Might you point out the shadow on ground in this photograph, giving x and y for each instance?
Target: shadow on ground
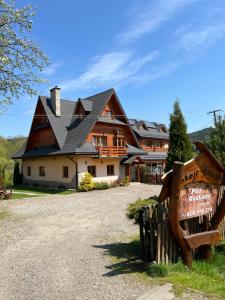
(126, 255)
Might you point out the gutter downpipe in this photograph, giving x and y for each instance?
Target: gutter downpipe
(76, 173)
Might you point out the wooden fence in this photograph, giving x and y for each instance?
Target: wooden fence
(156, 240)
(151, 178)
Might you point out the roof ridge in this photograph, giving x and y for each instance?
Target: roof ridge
(69, 100)
(106, 91)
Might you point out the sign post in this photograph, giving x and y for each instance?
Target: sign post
(193, 189)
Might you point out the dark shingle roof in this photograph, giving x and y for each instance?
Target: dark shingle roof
(132, 159)
(155, 156)
(134, 150)
(87, 104)
(152, 129)
(79, 130)
(59, 124)
(111, 121)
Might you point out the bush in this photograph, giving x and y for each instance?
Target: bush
(125, 181)
(133, 208)
(102, 185)
(86, 183)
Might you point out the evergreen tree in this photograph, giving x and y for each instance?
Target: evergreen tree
(216, 141)
(180, 148)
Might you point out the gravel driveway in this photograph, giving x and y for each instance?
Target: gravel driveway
(53, 247)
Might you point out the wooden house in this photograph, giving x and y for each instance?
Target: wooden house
(154, 139)
(69, 138)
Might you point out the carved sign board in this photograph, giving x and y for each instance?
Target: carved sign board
(199, 190)
(193, 189)
(197, 199)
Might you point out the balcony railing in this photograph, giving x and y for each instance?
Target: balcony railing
(111, 151)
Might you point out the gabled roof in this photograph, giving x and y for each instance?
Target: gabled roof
(59, 124)
(134, 159)
(150, 130)
(87, 104)
(79, 129)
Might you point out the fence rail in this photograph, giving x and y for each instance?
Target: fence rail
(156, 240)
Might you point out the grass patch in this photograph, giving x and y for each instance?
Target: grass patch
(4, 214)
(206, 277)
(20, 192)
(22, 196)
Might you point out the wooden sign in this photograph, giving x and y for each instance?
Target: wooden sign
(193, 189)
(198, 199)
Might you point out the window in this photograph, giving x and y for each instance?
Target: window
(65, 172)
(109, 114)
(149, 143)
(28, 171)
(42, 171)
(110, 170)
(92, 170)
(118, 142)
(100, 141)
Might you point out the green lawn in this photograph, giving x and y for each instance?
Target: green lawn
(207, 277)
(20, 192)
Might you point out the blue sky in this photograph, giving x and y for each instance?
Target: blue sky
(150, 51)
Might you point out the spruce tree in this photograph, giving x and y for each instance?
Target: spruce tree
(180, 148)
(216, 141)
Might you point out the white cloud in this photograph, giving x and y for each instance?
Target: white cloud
(152, 16)
(155, 73)
(192, 39)
(108, 70)
(52, 68)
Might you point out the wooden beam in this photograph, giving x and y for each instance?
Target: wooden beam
(165, 192)
(177, 230)
(219, 214)
(203, 238)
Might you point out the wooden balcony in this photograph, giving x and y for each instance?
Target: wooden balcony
(111, 151)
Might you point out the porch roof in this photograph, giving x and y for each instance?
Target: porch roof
(154, 156)
(134, 159)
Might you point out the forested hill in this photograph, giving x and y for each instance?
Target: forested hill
(10, 145)
(201, 135)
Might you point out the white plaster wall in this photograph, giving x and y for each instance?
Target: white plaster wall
(53, 169)
(101, 168)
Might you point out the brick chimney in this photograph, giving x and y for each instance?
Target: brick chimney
(55, 100)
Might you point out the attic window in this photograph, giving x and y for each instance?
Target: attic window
(109, 114)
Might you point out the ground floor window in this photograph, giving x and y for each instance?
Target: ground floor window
(42, 171)
(156, 168)
(65, 172)
(92, 170)
(110, 170)
(28, 171)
